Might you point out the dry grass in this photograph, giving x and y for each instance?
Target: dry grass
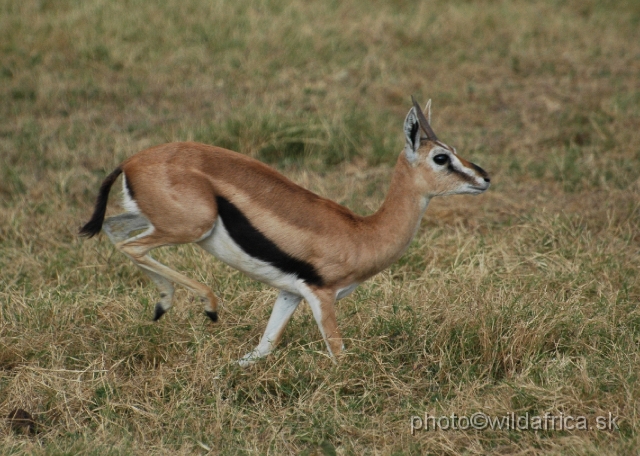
(521, 300)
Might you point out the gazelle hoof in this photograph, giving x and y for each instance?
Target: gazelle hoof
(159, 312)
(212, 314)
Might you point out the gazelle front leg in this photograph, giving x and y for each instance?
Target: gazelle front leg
(285, 305)
(322, 303)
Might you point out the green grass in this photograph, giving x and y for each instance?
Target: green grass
(521, 300)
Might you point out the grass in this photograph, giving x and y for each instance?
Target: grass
(521, 300)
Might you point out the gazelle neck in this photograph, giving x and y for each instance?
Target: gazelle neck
(391, 229)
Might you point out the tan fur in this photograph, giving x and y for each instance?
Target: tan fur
(175, 187)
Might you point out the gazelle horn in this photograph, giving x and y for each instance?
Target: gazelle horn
(422, 120)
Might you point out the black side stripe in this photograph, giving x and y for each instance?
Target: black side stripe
(480, 171)
(257, 245)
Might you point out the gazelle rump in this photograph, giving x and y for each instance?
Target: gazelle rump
(256, 220)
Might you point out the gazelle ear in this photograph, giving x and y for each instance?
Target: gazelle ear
(427, 108)
(412, 136)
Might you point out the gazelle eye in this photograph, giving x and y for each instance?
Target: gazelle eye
(441, 159)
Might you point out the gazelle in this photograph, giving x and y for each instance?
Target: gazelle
(256, 220)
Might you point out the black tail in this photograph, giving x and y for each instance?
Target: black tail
(94, 225)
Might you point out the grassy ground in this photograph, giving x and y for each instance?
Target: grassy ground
(521, 300)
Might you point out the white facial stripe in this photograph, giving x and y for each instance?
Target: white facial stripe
(469, 180)
(461, 168)
(455, 163)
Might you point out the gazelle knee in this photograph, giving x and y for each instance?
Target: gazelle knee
(120, 227)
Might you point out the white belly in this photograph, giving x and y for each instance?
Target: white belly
(220, 245)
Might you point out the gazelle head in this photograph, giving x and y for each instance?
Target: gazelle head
(439, 169)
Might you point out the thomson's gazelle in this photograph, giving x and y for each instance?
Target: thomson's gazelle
(252, 218)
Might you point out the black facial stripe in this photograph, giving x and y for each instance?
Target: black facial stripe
(479, 170)
(257, 245)
(464, 176)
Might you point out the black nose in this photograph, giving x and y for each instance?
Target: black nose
(482, 172)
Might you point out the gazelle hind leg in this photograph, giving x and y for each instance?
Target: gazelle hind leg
(285, 305)
(322, 303)
(166, 293)
(137, 249)
(157, 269)
(119, 229)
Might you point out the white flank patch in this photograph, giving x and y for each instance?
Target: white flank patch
(220, 244)
(127, 202)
